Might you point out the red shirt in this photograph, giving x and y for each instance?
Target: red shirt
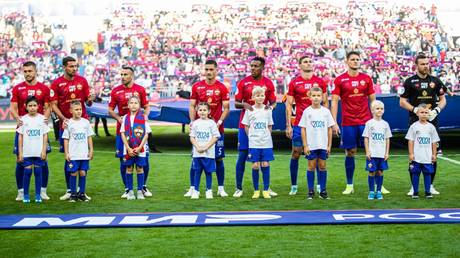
(354, 94)
(214, 95)
(65, 91)
(23, 90)
(120, 95)
(299, 89)
(244, 92)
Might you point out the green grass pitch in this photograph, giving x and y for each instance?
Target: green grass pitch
(168, 181)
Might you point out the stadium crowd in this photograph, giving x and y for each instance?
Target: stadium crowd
(168, 48)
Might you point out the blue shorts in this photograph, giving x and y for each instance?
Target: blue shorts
(258, 155)
(118, 146)
(220, 148)
(33, 161)
(243, 142)
(376, 164)
(416, 168)
(139, 161)
(61, 141)
(16, 142)
(317, 154)
(352, 137)
(76, 165)
(297, 136)
(206, 164)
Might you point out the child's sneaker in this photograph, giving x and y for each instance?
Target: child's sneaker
(428, 195)
(20, 196)
(310, 195)
(140, 195)
(195, 195)
(324, 195)
(349, 190)
(130, 195)
(146, 192)
(43, 194)
(433, 190)
(73, 197)
(379, 195)
(125, 194)
(272, 193)
(384, 190)
(256, 195)
(25, 198)
(38, 199)
(238, 193)
(411, 192)
(66, 196)
(371, 195)
(209, 194)
(83, 197)
(266, 194)
(415, 196)
(221, 191)
(293, 190)
(189, 192)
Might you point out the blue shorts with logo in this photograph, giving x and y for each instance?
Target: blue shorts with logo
(352, 137)
(243, 141)
(36, 161)
(376, 164)
(136, 160)
(77, 165)
(220, 149)
(16, 142)
(258, 155)
(317, 154)
(297, 136)
(118, 146)
(415, 168)
(206, 164)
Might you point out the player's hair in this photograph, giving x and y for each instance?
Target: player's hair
(420, 56)
(304, 57)
(260, 59)
(134, 97)
(377, 103)
(75, 103)
(29, 63)
(315, 89)
(31, 99)
(422, 105)
(258, 90)
(206, 104)
(68, 59)
(351, 53)
(211, 62)
(127, 67)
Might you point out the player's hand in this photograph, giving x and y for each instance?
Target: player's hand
(306, 150)
(65, 123)
(336, 130)
(131, 152)
(411, 157)
(368, 155)
(67, 157)
(46, 120)
(433, 158)
(289, 131)
(434, 113)
(328, 151)
(268, 107)
(247, 106)
(20, 158)
(386, 157)
(190, 125)
(43, 155)
(120, 120)
(90, 155)
(19, 121)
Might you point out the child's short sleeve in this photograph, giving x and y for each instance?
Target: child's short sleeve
(66, 134)
(270, 117)
(245, 120)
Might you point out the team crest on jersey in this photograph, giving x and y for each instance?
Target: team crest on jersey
(354, 84)
(362, 82)
(432, 85)
(355, 91)
(417, 85)
(315, 84)
(51, 93)
(39, 92)
(401, 90)
(79, 87)
(369, 165)
(138, 132)
(31, 93)
(217, 92)
(72, 96)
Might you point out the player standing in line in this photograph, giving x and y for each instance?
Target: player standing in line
(32, 142)
(203, 135)
(119, 99)
(423, 88)
(316, 132)
(298, 92)
(19, 95)
(78, 149)
(243, 101)
(68, 88)
(258, 124)
(423, 138)
(134, 132)
(216, 95)
(377, 134)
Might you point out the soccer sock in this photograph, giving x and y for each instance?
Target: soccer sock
(208, 180)
(192, 175)
(73, 183)
(146, 170)
(26, 180)
(317, 175)
(255, 179)
(38, 180)
(198, 179)
(427, 182)
(129, 181)
(415, 179)
(19, 176)
(82, 183)
(371, 182)
(266, 177)
(240, 165)
(123, 173)
(140, 181)
(379, 182)
(310, 180)
(349, 169)
(220, 172)
(435, 167)
(322, 179)
(45, 175)
(66, 176)
(294, 168)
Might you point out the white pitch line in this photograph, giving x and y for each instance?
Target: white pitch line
(450, 160)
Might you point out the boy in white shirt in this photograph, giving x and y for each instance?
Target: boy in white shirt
(32, 142)
(316, 125)
(203, 135)
(377, 134)
(78, 149)
(422, 138)
(258, 125)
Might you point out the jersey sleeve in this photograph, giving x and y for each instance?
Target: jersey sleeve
(441, 87)
(366, 131)
(143, 96)
(112, 102)
(370, 86)
(66, 133)
(224, 93)
(14, 94)
(303, 119)
(86, 90)
(270, 117)
(410, 134)
(434, 135)
(406, 86)
(388, 133)
(323, 85)
(193, 131)
(245, 120)
(194, 94)
(53, 91)
(330, 119)
(47, 94)
(271, 91)
(215, 130)
(20, 129)
(291, 88)
(122, 127)
(89, 129)
(336, 90)
(147, 128)
(239, 92)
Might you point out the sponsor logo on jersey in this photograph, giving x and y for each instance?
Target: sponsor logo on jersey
(217, 92)
(39, 92)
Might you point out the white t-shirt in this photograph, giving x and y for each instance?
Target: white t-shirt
(203, 131)
(317, 122)
(33, 130)
(423, 136)
(147, 131)
(377, 131)
(258, 120)
(77, 132)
